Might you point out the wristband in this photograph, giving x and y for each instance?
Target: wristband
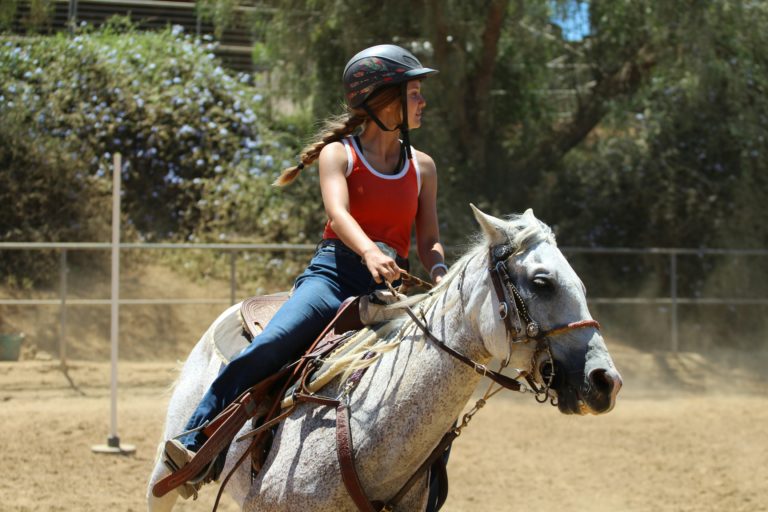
(436, 266)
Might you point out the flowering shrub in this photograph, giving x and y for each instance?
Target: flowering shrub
(183, 124)
(198, 149)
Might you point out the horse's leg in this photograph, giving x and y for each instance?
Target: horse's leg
(165, 503)
(199, 370)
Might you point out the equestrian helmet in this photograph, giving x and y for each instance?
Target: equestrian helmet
(377, 67)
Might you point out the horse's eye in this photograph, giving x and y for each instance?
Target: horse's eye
(542, 284)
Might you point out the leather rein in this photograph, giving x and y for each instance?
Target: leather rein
(520, 328)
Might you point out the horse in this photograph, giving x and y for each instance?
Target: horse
(511, 297)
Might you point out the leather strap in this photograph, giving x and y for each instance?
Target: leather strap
(345, 454)
(505, 304)
(498, 378)
(228, 423)
(234, 417)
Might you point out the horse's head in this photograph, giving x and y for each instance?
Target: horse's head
(539, 316)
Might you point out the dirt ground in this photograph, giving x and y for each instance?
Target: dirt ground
(688, 434)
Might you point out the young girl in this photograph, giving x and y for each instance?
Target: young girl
(375, 187)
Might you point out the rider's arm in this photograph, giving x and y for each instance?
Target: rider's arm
(430, 249)
(333, 185)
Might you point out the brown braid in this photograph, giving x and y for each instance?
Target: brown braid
(336, 128)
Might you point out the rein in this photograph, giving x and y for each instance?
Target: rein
(520, 327)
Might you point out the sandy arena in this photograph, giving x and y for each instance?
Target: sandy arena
(688, 434)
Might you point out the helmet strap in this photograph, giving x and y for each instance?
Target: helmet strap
(376, 119)
(404, 136)
(404, 125)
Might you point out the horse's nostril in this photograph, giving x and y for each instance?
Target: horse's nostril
(602, 381)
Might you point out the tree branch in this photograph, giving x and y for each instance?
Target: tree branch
(562, 139)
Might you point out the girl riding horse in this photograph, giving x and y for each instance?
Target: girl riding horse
(375, 188)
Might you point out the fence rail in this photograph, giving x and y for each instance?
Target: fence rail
(672, 300)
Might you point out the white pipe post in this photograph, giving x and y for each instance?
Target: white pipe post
(113, 441)
(63, 308)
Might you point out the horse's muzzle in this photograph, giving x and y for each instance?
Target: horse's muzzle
(597, 394)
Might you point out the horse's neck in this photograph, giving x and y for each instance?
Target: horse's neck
(417, 392)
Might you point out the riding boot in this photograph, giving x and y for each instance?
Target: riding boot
(176, 456)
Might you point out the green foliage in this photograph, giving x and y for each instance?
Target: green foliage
(198, 149)
(44, 196)
(220, 12)
(186, 127)
(678, 162)
(629, 110)
(38, 18)
(8, 13)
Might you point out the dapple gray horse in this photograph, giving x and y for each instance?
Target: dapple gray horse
(413, 391)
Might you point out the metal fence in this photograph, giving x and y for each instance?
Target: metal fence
(672, 300)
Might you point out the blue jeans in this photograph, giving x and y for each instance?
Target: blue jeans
(334, 274)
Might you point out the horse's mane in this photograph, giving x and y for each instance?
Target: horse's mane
(522, 232)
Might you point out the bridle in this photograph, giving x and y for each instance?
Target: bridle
(519, 325)
(521, 328)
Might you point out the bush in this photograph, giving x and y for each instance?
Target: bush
(44, 196)
(182, 122)
(198, 149)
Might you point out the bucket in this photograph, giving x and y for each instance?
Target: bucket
(10, 346)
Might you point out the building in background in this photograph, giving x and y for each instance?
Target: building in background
(234, 46)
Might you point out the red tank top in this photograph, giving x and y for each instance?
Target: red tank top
(384, 205)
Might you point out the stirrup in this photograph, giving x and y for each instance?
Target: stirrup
(176, 456)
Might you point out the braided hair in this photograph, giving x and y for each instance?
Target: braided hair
(335, 129)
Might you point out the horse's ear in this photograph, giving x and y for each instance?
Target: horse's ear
(494, 229)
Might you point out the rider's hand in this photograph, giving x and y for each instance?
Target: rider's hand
(380, 265)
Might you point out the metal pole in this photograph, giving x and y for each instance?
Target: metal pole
(232, 274)
(113, 441)
(673, 296)
(63, 308)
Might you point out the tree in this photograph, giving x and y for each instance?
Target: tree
(184, 125)
(492, 126)
(516, 101)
